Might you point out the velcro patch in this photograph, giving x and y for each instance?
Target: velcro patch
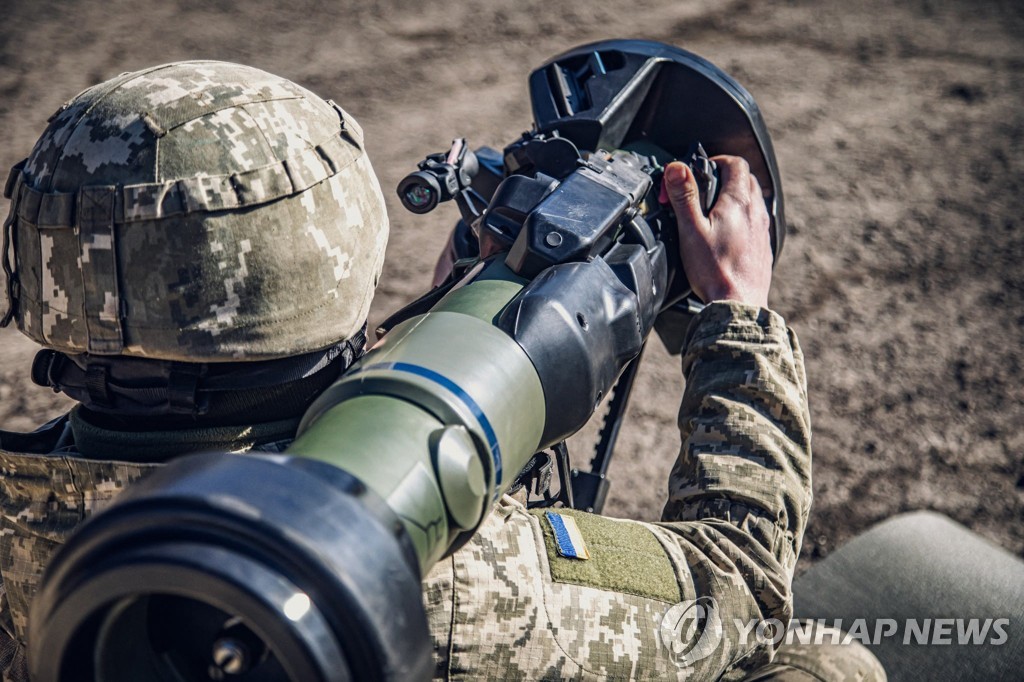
(568, 539)
(624, 556)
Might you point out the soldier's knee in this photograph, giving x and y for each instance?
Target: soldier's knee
(825, 654)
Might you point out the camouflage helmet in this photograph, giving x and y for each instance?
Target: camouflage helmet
(198, 211)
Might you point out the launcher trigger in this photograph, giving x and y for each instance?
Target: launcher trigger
(705, 172)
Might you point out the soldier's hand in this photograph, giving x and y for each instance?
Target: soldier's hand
(726, 255)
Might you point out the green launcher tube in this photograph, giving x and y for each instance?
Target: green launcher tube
(438, 418)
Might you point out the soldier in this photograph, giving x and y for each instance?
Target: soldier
(196, 246)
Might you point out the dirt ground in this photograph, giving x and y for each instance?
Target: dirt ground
(900, 135)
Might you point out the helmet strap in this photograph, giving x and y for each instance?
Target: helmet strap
(13, 292)
(144, 387)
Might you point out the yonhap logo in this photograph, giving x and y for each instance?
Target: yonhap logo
(691, 630)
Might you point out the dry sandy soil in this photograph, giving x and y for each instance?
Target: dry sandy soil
(900, 135)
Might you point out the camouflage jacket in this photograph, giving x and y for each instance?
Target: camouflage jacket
(515, 603)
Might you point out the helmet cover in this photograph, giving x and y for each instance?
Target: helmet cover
(197, 211)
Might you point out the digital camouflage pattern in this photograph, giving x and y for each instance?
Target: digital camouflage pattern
(197, 211)
(738, 501)
(45, 497)
(739, 496)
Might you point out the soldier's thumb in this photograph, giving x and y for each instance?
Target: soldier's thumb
(682, 191)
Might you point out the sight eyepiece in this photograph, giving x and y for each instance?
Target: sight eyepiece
(420, 192)
(443, 177)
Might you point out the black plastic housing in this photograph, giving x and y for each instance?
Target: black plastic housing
(617, 93)
(211, 538)
(580, 325)
(662, 100)
(580, 219)
(512, 202)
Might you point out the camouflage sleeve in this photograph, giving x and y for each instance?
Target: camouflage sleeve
(740, 491)
(587, 597)
(13, 667)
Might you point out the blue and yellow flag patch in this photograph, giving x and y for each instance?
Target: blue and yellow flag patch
(568, 539)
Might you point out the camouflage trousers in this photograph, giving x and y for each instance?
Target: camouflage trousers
(509, 606)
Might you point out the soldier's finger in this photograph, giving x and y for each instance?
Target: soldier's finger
(681, 187)
(734, 176)
(755, 189)
(758, 210)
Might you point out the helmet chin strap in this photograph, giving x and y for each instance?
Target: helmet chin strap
(126, 386)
